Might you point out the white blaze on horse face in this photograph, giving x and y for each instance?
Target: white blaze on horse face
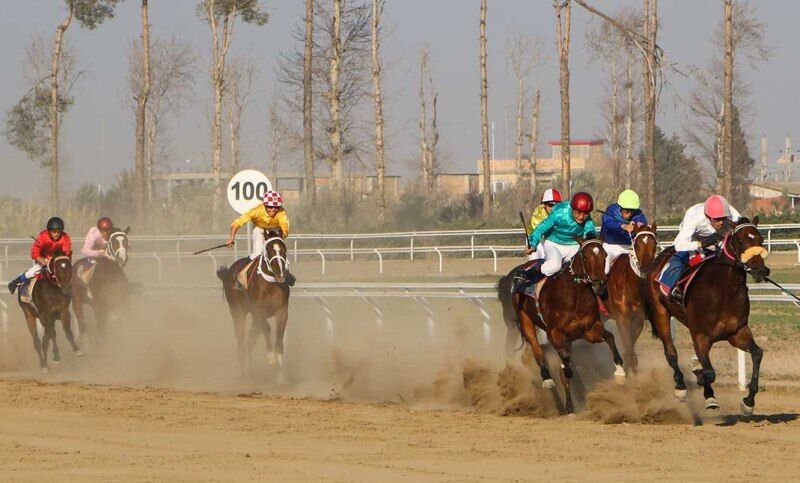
(595, 250)
(277, 247)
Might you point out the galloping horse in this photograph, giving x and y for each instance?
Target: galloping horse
(625, 279)
(265, 295)
(716, 307)
(49, 301)
(108, 286)
(567, 311)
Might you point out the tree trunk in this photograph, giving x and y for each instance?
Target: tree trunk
(629, 123)
(55, 204)
(142, 182)
(521, 185)
(563, 38)
(433, 163)
(727, 100)
(615, 144)
(150, 148)
(308, 141)
(534, 139)
(335, 130)
(380, 168)
(719, 167)
(427, 175)
(273, 135)
(234, 124)
(487, 175)
(650, 30)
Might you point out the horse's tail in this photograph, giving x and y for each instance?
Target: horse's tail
(503, 288)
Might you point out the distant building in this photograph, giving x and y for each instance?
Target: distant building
(775, 196)
(583, 153)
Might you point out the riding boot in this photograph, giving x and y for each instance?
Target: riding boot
(526, 277)
(14, 284)
(677, 294)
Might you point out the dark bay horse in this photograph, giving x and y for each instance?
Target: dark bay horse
(108, 286)
(50, 299)
(625, 281)
(716, 307)
(266, 295)
(567, 311)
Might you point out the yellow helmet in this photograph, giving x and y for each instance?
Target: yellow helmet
(628, 200)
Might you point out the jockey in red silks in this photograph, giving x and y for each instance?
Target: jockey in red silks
(51, 242)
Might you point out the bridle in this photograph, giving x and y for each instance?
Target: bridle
(278, 256)
(633, 257)
(51, 269)
(740, 260)
(111, 252)
(583, 278)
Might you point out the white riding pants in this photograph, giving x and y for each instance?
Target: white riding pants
(538, 254)
(31, 272)
(555, 255)
(258, 243)
(612, 252)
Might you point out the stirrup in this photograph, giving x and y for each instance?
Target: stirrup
(676, 294)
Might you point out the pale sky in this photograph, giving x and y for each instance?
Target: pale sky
(98, 130)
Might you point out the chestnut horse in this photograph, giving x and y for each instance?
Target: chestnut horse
(108, 285)
(567, 311)
(50, 302)
(266, 296)
(625, 280)
(716, 307)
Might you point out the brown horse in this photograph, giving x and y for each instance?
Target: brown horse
(567, 311)
(716, 307)
(108, 286)
(625, 279)
(266, 296)
(50, 299)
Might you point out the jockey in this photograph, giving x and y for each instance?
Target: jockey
(94, 246)
(267, 215)
(558, 230)
(550, 198)
(51, 242)
(619, 221)
(700, 230)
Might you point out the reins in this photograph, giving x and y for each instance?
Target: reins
(633, 258)
(583, 277)
(52, 271)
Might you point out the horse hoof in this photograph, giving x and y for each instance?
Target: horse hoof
(746, 410)
(680, 395)
(271, 358)
(619, 375)
(712, 404)
(694, 363)
(56, 361)
(45, 370)
(548, 384)
(79, 353)
(280, 360)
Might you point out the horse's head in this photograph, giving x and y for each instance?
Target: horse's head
(59, 269)
(117, 248)
(745, 246)
(645, 245)
(275, 255)
(589, 264)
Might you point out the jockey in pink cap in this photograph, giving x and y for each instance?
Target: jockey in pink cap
(700, 231)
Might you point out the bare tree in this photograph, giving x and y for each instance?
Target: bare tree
(141, 194)
(308, 89)
(727, 99)
(524, 54)
(221, 17)
(563, 14)
(238, 95)
(274, 140)
(428, 132)
(380, 167)
(534, 140)
(487, 175)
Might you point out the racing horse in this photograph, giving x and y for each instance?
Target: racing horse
(568, 310)
(265, 295)
(107, 288)
(49, 299)
(625, 280)
(715, 307)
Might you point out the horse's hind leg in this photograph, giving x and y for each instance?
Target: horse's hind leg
(598, 333)
(30, 321)
(239, 317)
(49, 334)
(661, 328)
(66, 323)
(705, 375)
(77, 307)
(528, 330)
(743, 339)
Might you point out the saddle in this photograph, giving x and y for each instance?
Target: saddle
(84, 270)
(688, 275)
(246, 274)
(26, 291)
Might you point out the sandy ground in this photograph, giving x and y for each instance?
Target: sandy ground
(424, 396)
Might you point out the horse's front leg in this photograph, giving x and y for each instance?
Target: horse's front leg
(30, 321)
(661, 318)
(49, 335)
(743, 339)
(598, 333)
(281, 317)
(562, 345)
(66, 323)
(705, 374)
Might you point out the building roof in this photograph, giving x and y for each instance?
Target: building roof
(579, 142)
(792, 188)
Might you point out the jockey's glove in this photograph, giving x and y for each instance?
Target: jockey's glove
(710, 240)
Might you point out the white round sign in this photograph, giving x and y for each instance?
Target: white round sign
(246, 189)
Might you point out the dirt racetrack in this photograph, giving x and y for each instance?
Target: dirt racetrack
(162, 399)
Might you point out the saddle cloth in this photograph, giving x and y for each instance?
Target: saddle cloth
(687, 276)
(85, 269)
(246, 274)
(26, 291)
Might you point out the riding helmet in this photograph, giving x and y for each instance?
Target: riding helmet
(104, 224)
(551, 195)
(582, 202)
(628, 200)
(273, 199)
(717, 207)
(55, 223)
